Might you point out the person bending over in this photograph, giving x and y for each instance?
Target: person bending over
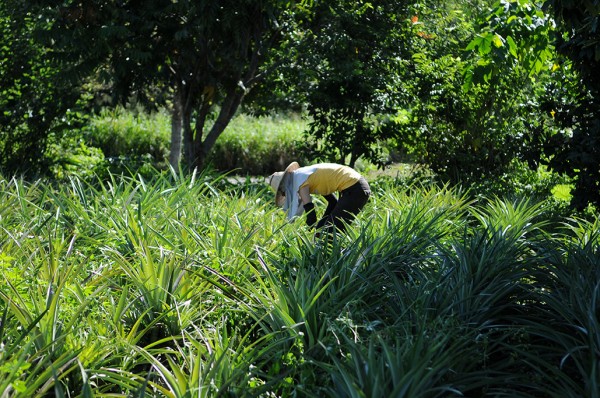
(294, 186)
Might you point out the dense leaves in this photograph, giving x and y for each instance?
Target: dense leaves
(488, 124)
(34, 100)
(517, 42)
(346, 65)
(182, 286)
(473, 90)
(203, 57)
(579, 41)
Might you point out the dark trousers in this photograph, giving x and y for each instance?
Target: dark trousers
(349, 204)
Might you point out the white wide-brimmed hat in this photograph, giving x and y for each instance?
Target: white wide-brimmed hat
(277, 179)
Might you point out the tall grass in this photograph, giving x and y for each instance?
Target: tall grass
(181, 286)
(120, 132)
(249, 145)
(257, 146)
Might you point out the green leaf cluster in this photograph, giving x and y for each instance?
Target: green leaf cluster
(33, 100)
(575, 149)
(516, 37)
(342, 59)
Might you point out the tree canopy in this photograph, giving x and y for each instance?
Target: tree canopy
(202, 57)
(576, 149)
(346, 62)
(34, 101)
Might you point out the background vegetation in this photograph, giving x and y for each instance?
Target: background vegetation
(130, 141)
(134, 265)
(472, 90)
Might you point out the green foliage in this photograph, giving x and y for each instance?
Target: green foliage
(70, 156)
(342, 59)
(185, 286)
(475, 112)
(570, 331)
(518, 40)
(33, 100)
(200, 58)
(130, 133)
(136, 140)
(258, 146)
(516, 37)
(575, 149)
(470, 89)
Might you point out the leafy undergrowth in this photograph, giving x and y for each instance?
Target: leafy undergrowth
(134, 140)
(189, 286)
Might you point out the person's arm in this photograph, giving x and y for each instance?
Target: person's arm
(309, 206)
(331, 203)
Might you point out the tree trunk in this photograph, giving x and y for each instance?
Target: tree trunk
(203, 144)
(188, 137)
(202, 147)
(176, 124)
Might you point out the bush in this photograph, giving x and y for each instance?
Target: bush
(250, 145)
(259, 146)
(70, 156)
(124, 134)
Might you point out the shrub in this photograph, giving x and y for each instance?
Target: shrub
(122, 133)
(259, 146)
(70, 156)
(249, 145)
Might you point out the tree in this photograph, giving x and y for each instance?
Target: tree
(527, 40)
(343, 59)
(577, 150)
(496, 111)
(33, 102)
(371, 72)
(207, 54)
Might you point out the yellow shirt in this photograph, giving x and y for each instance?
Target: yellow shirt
(327, 178)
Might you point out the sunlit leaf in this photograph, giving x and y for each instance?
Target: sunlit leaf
(512, 46)
(486, 43)
(498, 41)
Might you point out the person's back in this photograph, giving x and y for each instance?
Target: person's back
(327, 178)
(294, 187)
